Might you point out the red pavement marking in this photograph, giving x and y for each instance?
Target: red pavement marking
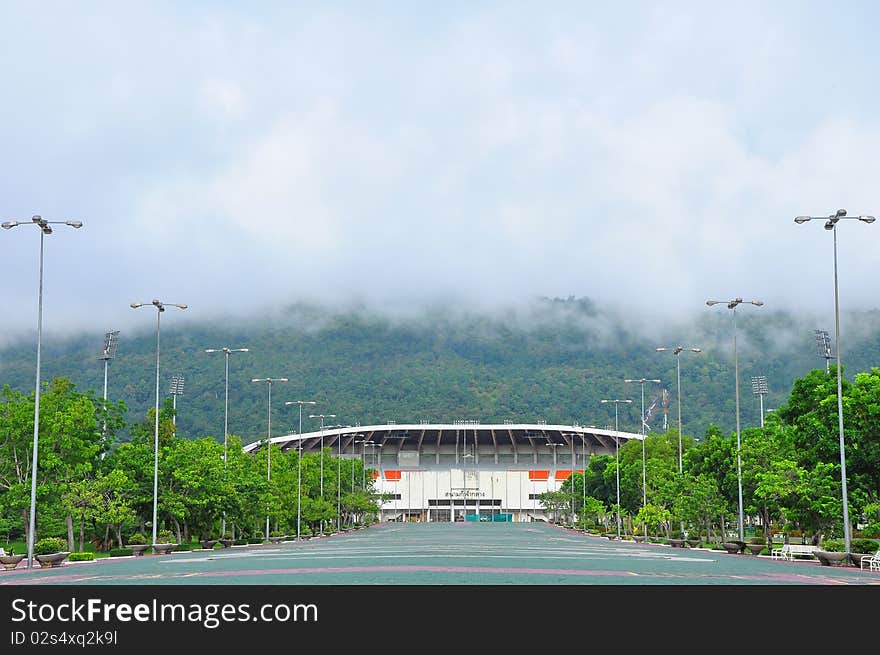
(784, 577)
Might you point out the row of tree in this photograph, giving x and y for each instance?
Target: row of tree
(790, 471)
(93, 488)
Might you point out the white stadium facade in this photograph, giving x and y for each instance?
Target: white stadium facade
(462, 471)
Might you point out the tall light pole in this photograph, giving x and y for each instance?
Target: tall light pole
(642, 382)
(831, 224)
(322, 417)
(616, 402)
(160, 307)
(175, 389)
(45, 229)
(760, 389)
(269, 382)
(299, 462)
(731, 305)
(823, 341)
(554, 446)
(111, 341)
(227, 352)
(677, 352)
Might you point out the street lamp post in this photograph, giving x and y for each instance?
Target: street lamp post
(227, 352)
(299, 462)
(45, 229)
(269, 382)
(616, 402)
(642, 382)
(677, 352)
(831, 224)
(732, 304)
(322, 417)
(760, 389)
(160, 307)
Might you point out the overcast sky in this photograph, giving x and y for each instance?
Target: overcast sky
(236, 156)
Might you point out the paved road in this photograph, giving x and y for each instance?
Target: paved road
(447, 554)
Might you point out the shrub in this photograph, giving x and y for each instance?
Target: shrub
(49, 545)
(137, 539)
(121, 552)
(758, 540)
(81, 557)
(240, 542)
(833, 545)
(864, 546)
(165, 537)
(182, 548)
(255, 540)
(277, 533)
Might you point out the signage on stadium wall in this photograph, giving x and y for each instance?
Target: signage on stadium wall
(465, 493)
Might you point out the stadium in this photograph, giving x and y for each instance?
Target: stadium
(462, 471)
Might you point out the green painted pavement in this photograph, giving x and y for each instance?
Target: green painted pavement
(474, 553)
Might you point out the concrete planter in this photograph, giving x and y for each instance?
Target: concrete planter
(52, 559)
(828, 558)
(138, 549)
(163, 549)
(9, 562)
(755, 549)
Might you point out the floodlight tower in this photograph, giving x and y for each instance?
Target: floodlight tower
(111, 341)
(176, 389)
(759, 388)
(823, 342)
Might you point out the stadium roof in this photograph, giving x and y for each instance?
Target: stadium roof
(430, 437)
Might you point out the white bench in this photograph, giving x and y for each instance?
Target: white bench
(790, 551)
(873, 561)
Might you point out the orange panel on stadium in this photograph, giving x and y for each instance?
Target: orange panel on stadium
(539, 475)
(392, 475)
(563, 475)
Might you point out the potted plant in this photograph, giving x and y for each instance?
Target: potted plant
(137, 543)
(9, 560)
(50, 552)
(165, 542)
(860, 547)
(756, 545)
(733, 546)
(832, 553)
(276, 536)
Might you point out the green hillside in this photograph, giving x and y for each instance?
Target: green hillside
(552, 360)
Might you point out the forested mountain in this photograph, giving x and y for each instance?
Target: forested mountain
(550, 360)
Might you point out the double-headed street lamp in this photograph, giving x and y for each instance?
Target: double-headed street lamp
(269, 382)
(160, 307)
(616, 402)
(322, 417)
(45, 229)
(677, 352)
(642, 382)
(732, 304)
(227, 352)
(831, 224)
(299, 461)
